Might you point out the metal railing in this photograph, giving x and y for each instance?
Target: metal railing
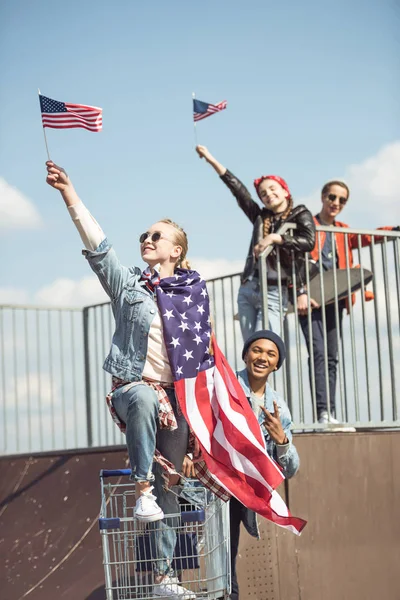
(366, 337)
(41, 379)
(53, 386)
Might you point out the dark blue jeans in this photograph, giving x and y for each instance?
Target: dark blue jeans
(235, 516)
(319, 357)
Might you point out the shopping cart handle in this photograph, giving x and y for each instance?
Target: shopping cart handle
(114, 472)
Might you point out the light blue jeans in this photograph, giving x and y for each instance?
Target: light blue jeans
(250, 309)
(138, 407)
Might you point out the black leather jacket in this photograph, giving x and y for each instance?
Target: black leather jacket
(294, 245)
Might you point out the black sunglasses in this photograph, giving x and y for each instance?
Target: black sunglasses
(155, 237)
(332, 198)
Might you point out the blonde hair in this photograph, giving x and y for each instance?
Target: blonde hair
(267, 221)
(180, 240)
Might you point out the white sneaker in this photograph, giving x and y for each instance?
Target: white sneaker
(333, 424)
(146, 507)
(169, 588)
(326, 419)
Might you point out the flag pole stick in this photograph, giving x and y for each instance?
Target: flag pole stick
(44, 133)
(196, 143)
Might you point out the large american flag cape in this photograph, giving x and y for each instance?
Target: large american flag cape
(214, 403)
(202, 110)
(64, 115)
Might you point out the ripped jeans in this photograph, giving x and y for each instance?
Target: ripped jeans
(138, 407)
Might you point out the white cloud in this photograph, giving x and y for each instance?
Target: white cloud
(374, 190)
(67, 292)
(379, 176)
(60, 293)
(11, 295)
(88, 291)
(16, 210)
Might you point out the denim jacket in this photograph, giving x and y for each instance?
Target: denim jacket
(134, 309)
(286, 456)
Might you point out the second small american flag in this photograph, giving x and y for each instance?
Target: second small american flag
(202, 110)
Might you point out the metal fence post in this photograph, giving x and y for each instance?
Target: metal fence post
(86, 351)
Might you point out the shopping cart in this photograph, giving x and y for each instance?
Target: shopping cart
(201, 560)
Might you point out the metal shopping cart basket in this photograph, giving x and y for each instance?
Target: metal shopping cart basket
(131, 548)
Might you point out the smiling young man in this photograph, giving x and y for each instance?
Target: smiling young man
(263, 353)
(334, 197)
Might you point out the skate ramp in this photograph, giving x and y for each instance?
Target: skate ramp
(49, 538)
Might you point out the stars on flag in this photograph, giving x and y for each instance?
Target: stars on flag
(175, 342)
(188, 354)
(169, 314)
(184, 307)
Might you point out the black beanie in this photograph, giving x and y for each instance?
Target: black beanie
(266, 334)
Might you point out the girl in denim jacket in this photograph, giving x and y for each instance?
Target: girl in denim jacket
(143, 397)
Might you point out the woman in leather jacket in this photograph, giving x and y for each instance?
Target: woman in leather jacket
(277, 208)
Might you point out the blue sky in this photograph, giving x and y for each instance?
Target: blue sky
(312, 91)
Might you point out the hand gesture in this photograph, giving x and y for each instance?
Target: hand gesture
(188, 468)
(273, 425)
(203, 152)
(57, 177)
(302, 304)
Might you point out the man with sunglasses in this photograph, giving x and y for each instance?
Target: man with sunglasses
(334, 197)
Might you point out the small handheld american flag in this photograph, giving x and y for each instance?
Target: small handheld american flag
(64, 115)
(202, 110)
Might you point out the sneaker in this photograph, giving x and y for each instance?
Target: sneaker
(326, 419)
(146, 508)
(169, 588)
(333, 424)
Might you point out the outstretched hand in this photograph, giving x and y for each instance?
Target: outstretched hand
(203, 152)
(273, 425)
(57, 177)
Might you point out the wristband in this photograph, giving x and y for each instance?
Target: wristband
(301, 291)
